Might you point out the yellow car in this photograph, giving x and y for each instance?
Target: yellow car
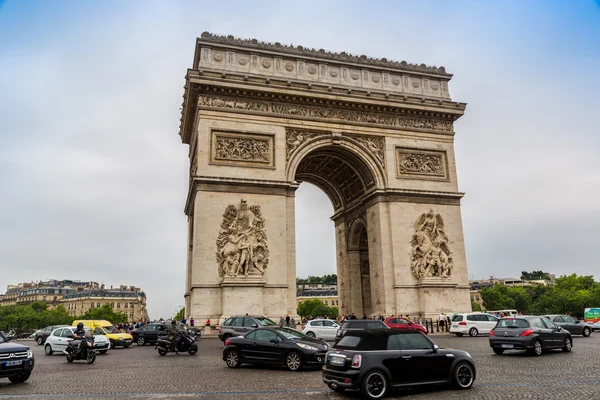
(102, 327)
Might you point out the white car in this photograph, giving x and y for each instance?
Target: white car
(594, 325)
(59, 339)
(472, 324)
(321, 328)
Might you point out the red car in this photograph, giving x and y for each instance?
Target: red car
(403, 323)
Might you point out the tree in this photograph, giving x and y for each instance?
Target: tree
(105, 312)
(475, 306)
(180, 315)
(315, 308)
(534, 276)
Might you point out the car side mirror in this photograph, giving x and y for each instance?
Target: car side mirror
(435, 348)
(274, 341)
(255, 325)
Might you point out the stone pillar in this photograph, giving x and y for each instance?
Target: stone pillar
(344, 285)
(356, 295)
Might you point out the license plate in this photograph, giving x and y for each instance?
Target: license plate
(337, 360)
(455, 325)
(507, 346)
(11, 363)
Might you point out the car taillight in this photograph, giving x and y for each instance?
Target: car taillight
(219, 330)
(526, 332)
(462, 323)
(303, 327)
(356, 361)
(492, 333)
(227, 342)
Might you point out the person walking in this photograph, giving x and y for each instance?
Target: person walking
(287, 321)
(442, 321)
(192, 322)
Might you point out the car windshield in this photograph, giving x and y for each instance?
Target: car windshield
(457, 318)
(291, 334)
(264, 321)
(348, 342)
(111, 329)
(512, 323)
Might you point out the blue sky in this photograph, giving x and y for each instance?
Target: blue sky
(93, 174)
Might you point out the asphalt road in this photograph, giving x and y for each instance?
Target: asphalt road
(139, 372)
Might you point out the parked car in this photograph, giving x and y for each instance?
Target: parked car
(404, 323)
(532, 333)
(148, 333)
(42, 334)
(375, 361)
(16, 361)
(275, 345)
(240, 325)
(473, 324)
(105, 328)
(594, 326)
(60, 337)
(572, 324)
(351, 325)
(321, 328)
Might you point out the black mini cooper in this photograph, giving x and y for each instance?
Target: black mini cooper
(375, 361)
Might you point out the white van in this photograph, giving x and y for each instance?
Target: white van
(507, 313)
(472, 324)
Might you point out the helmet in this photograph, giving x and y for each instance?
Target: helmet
(173, 322)
(80, 325)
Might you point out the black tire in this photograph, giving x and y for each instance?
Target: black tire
(40, 340)
(459, 334)
(537, 350)
(91, 357)
(463, 376)
(162, 352)
(310, 334)
(374, 385)
(568, 346)
(102, 351)
(141, 341)
(70, 357)
(48, 350)
(293, 361)
(498, 351)
(193, 350)
(473, 332)
(20, 378)
(112, 344)
(586, 332)
(232, 358)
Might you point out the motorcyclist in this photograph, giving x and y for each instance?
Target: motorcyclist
(78, 336)
(175, 335)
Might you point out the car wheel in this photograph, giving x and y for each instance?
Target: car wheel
(568, 345)
(459, 334)
(463, 376)
(498, 351)
(112, 344)
(232, 359)
(40, 340)
(293, 361)
(473, 332)
(102, 351)
(310, 334)
(141, 341)
(20, 378)
(586, 332)
(374, 385)
(537, 348)
(48, 350)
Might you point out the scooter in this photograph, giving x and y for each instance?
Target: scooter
(87, 352)
(187, 343)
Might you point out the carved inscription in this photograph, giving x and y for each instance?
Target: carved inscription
(423, 164)
(302, 110)
(236, 148)
(430, 253)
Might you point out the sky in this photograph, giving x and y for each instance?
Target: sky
(93, 174)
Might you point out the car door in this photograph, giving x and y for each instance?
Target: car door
(237, 326)
(268, 349)
(572, 325)
(424, 364)
(248, 346)
(66, 337)
(317, 328)
(54, 340)
(560, 322)
(249, 324)
(545, 333)
(557, 333)
(329, 329)
(491, 322)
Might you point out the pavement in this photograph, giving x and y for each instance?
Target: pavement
(140, 373)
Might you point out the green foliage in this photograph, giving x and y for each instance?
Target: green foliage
(315, 308)
(325, 279)
(105, 312)
(475, 306)
(535, 275)
(32, 316)
(180, 315)
(571, 294)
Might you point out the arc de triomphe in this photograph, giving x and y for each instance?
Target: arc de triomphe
(375, 135)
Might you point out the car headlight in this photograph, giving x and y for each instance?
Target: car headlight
(29, 354)
(306, 346)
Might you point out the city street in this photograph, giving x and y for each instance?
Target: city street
(140, 372)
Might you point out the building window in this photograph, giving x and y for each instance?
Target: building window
(126, 305)
(54, 298)
(131, 305)
(131, 315)
(477, 298)
(112, 305)
(118, 305)
(97, 305)
(43, 298)
(92, 305)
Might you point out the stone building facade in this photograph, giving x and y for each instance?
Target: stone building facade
(376, 136)
(128, 300)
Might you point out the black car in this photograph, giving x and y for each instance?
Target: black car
(16, 361)
(148, 333)
(42, 334)
(572, 324)
(353, 325)
(377, 360)
(275, 345)
(531, 333)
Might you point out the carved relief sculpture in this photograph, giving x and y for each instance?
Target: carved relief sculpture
(375, 145)
(242, 243)
(294, 139)
(430, 253)
(421, 164)
(241, 148)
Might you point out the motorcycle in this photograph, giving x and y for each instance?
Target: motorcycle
(87, 351)
(186, 344)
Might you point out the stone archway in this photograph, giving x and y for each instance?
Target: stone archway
(375, 135)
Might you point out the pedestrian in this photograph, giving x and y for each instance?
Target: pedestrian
(353, 316)
(192, 322)
(420, 319)
(287, 320)
(183, 321)
(293, 323)
(442, 321)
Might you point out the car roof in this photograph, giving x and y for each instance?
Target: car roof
(248, 316)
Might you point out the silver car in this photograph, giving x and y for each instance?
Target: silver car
(240, 325)
(321, 328)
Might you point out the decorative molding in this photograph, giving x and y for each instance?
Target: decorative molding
(430, 255)
(242, 149)
(321, 53)
(412, 163)
(242, 249)
(210, 101)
